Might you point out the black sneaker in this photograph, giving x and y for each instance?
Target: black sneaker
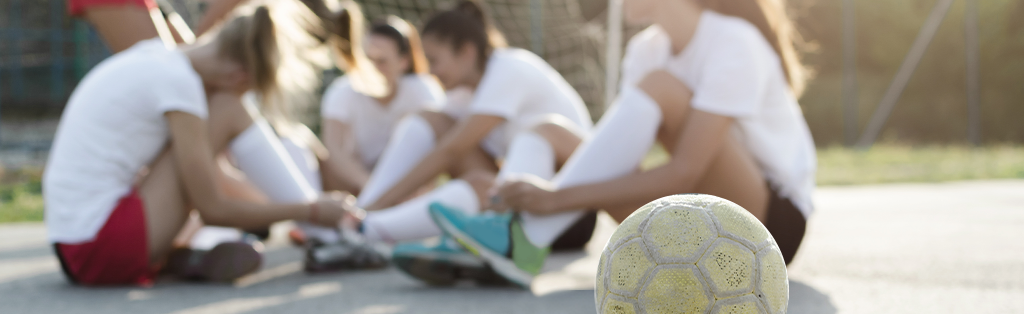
(349, 253)
(224, 263)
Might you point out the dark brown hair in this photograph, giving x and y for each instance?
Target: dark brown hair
(406, 38)
(466, 23)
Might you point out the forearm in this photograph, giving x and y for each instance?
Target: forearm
(346, 172)
(230, 213)
(631, 189)
(424, 172)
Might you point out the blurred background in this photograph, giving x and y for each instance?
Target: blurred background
(936, 130)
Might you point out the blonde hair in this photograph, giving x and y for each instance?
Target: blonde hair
(342, 28)
(769, 16)
(271, 41)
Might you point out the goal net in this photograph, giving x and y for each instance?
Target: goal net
(556, 30)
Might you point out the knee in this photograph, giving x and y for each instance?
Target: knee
(439, 122)
(665, 88)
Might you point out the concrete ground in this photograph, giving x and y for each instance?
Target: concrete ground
(909, 248)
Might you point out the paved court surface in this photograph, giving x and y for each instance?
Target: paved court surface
(915, 248)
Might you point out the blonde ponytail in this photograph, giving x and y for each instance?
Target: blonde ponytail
(271, 41)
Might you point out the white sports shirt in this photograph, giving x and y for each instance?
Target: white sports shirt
(523, 89)
(373, 122)
(112, 127)
(733, 71)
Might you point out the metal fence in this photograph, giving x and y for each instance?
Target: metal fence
(43, 54)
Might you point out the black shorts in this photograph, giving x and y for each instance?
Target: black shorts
(786, 224)
(577, 236)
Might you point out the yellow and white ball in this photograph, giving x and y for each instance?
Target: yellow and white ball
(691, 253)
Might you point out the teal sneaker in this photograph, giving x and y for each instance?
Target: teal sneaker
(498, 239)
(445, 264)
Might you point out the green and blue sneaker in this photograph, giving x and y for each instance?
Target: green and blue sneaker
(444, 264)
(498, 239)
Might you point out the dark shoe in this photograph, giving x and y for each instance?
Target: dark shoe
(444, 265)
(225, 262)
(349, 253)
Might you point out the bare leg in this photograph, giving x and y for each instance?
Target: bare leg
(733, 175)
(166, 203)
(123, 26)
(474, 164)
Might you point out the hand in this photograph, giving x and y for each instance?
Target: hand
(333, 208)
(527, 193)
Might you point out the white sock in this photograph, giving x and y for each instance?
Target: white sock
(528, 153)
(411, 220)
(284, 170)
(264, 160)
(412, 141)
(305, 160)
(208, 237)
(616, 147)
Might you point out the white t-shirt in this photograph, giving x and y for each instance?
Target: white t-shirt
(520, 87)
(112, 127)
(733, 71)
(372, 122)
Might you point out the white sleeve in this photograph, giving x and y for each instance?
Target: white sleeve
(337, 100)
(181, 92)
(428, 93)
(646, 51)
(733, 80)
(502, 91)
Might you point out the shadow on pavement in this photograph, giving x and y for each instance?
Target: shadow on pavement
(807, 299)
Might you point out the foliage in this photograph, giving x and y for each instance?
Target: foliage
(932, 109)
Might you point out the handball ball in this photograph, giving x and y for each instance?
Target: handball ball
(691, 254)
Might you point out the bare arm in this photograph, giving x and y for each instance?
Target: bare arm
(195, 163)
(457, 142)
(341, 162)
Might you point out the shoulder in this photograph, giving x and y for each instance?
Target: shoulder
(174, 70)
(514, 59)
(341, 87)
(421, 84)
(650, 36)
(736, 34)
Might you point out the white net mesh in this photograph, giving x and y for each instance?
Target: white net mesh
(553, 29)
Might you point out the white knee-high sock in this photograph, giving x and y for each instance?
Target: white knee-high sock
(305, 160)
(528, 153)
(412, 140)
(309, 166)
(411, 220)
(281, 170)
(264, 160)
(619, 143)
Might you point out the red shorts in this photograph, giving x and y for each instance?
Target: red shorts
(77, 7)
(119, 254)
